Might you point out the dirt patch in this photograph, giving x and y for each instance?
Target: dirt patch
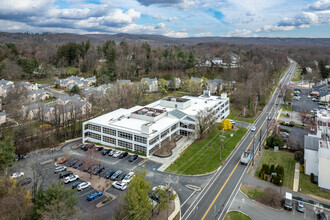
(163, 215)
(97, 182)
(166, 147)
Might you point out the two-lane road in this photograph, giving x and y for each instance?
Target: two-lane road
(212, 202)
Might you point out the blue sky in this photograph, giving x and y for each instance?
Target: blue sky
(173, 18)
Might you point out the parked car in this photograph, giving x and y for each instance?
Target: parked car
(105, 152)
(133, 158)
(59, 169)
(122, 155)
(109, 173)
(75, 184)
(65, 174)
(78, 164)
(111, 152)
(83, 185)
(121, 176)
(128, 178)
(97, 170)
(232, 121)
(17, 175)
(98, 148)
(25, 181)
(300, 206)
(84, 147)
(253, 128)
(315, 99)
(119, 185)
(114, 176)
(321, 216)
(72, 162)
(94, 195)
(62, 160)
(116, 153)
(71, 178)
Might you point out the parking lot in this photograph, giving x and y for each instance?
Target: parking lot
(305, 103)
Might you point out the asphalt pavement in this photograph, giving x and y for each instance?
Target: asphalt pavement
(212, 201)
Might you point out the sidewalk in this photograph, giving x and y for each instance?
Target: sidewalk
(167, 161)
(296, 178)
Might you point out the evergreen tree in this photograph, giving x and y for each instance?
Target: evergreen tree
(7, 153)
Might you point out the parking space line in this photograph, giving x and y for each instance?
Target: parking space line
(94, 200)
(86, 193)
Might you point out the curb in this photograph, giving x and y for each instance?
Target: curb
(238, 211)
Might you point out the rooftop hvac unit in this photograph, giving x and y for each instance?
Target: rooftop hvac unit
(173, 99)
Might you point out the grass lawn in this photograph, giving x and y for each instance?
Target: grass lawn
(284, 116)
(235, 215)
(286, 107)
(309, 188)
(234, 112)
(49, 100)
(44, 82)
(297, 76)
(203, 156)
(282, 158)
(252, 192)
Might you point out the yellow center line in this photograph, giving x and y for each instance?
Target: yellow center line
(223, 186)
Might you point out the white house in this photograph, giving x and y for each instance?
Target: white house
(144, 128)
(71, 81)
(153, 84)
(37, 95)
(309, 70)
(325, 98)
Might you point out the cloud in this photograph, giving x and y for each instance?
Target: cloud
(158, 2)
(241, 33)
(307, 18)
(203, 34)
(320, 5)
(183, 4)
(275, 28)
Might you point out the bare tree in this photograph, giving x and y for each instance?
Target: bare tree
(205, 119)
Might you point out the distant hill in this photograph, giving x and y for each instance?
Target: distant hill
(60, 38)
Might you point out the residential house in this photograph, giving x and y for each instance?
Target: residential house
(317, 151)
(217, 61)
(72, 81)
(309, 70)
(28, 86)
(214, 86)
(325, 98)
(37, 95)
(153, 84)
(123, 81)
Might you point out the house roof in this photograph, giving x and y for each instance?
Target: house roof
(150, 81)
(311, 142)
(91, 78)
(123, 81)
(196, 79)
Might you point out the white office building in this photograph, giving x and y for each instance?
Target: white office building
(144, 128)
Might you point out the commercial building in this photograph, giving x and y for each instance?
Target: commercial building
(144, 128)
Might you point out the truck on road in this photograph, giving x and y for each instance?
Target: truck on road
(246, 157)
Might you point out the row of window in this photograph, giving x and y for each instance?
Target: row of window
(93, 127)
(125, 144)
(109, 140)
(140, 139)
(165, 133)
(152, 141)
(109, 131)
(140, 148)
(125, 135)
(93, 135)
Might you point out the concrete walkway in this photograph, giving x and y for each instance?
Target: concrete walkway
(296, 178)
(177, 207)
(181, 145)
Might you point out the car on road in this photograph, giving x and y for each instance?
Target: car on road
(59, 169)
(70, 179)
(109, 173)
(98, 169)
(94, 195)
(17, 175)
(25, 181)
(75, 184)
(269, 118)
(62, 160)
(78, 164)
(133, 158)
(119, 185)
(83, 185)
(128, 178)
(300, 206)
(72, 162)
(122, 155)
(116, 153)
(253, 128)
(114, 176)
(65, 174)
(232, 121)
(105, 152)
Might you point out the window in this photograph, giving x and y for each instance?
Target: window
(174, 127)
(140, 148)
(165, 133)
(125, 135)
(109, 131)
(93, 135)
(152, 141)
(94, 127)
(109, 140)
(140, 139)
(125, 144)
(183, 125)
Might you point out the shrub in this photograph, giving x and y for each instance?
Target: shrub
(272, 169)
(302, 170)
(299, 156)
(312, 178)
(271, 197)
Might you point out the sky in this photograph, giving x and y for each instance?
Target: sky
(172, 18)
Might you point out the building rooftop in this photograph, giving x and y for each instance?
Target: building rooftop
(151, 112)
(175, 99)
(311, 142)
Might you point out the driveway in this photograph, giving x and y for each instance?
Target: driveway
(296, 136)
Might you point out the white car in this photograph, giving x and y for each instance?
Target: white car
(117, 153)
(70, 179)
(232, 122)
(253, 128)
(128, 178)
(17, 175)
(83, 186)
(59, 169)
(119, 185)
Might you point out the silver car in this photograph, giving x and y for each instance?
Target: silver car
(300, 206)
(59, 169)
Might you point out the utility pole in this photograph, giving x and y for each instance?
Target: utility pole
(222, 139)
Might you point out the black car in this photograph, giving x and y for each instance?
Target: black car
(133, 158)
(65, 174)
(78, 164)
(121, 176)
(122, 155)
(25, 181)
(97, 170)
(105, 152)
(75, 184)
(109, 173)
(98, 148)
(72, 162)
(83, 146)
(321, 216)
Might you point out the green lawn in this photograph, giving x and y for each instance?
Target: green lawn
(50, 100)
(252, 192)
(233, 116)
(284, 116)
(286, 107)
(282, 158)
(297, 76)
(44, 82)
(235, 215)
(203, 156)
(309, 188)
